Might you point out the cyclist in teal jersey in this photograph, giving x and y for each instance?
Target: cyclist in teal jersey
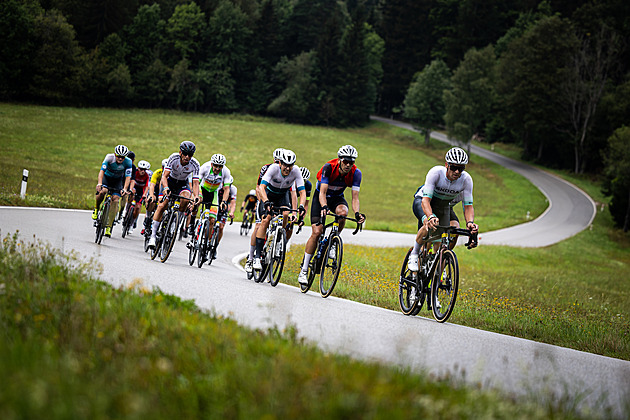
(115, 174)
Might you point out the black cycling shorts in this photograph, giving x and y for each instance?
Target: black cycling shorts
(444, 213)
(332, 203)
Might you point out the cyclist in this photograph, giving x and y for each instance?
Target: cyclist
(252, 244)
(138, 186)
(215, 178)
(115, 174)
(332, 180)
(230, 211)
(308, 187)
(273, 190)
(249, 203)
(175, 180)
(443, 188)
(153, 190)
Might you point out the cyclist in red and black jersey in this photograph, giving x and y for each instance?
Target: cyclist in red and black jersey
(332, 179)
(139, 184)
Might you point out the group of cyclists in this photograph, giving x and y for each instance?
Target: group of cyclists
(280, 184)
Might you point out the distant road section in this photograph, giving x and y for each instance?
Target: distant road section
(570, 209)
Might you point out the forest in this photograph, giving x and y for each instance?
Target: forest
(551, 77)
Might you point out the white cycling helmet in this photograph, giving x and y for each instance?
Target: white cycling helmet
(306, 174)
(121, 150)
(218, 159)
(348, 152)
(164, 162)
(277, 153)
(456, 156)
(252, 192)
(287, 157)
(143, 164)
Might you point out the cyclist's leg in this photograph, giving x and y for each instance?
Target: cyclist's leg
(454, 221)
(339, 205)
(316, 231)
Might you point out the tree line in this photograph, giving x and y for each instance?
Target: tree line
(552, 76)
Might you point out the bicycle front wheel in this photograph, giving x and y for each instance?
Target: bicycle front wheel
(444, 287)
(127, 221)
(259, 275)
(170, 236)
(279, 253)
(410, 296)
(102, 221)
(194, 243)
(331, 266)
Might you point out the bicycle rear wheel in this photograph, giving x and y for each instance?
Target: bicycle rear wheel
(331, 266)
(444, 287)
(127, 221)
(194, 243)
(214, 243)
(170, 236)
(202, 243)
(260, 275)
(410, 295)
(280, 250)
(310, 273)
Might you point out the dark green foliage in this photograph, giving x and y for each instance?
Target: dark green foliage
(617, 176)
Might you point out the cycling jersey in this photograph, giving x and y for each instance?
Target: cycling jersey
(263, 170)
(278, 184)
(212, 182)
(181, 172)
(444, 192)
(329, 174)
(157, 176)
(114, 169)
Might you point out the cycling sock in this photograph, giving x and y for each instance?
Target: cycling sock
(307, 260)
(259, 246)
(416, 248)
(252, 248)
(154, 228)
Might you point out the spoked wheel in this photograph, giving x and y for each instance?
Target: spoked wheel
(159, 239)
(202, 243)
(169, 237)
(194, 243)
(310, 274)
(410, 295)
(127, 221)
(260, 275)
(331, 266)
(444, 287)
(277, 258)
(147, 237)
(214, 243)
(101, 220)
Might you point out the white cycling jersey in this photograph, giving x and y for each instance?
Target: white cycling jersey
(179, 171)
(438, 186)
(212, 182)
(233, 192)
(277, 183)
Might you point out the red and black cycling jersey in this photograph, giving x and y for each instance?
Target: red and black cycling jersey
(329, 174)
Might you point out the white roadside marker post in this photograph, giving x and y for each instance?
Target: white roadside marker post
(24, 182)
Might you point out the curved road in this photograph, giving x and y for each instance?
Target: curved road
(517, 366)
(570, 209)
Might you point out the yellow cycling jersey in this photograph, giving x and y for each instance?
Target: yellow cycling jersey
(157, 176)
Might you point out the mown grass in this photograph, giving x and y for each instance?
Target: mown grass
(64, 147)
(74, 347)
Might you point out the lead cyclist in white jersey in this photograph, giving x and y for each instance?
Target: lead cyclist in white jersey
(443, 188)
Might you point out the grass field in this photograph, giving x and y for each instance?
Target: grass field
(64, 147)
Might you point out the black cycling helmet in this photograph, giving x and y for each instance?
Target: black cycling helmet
(187, 147)
(131, 155)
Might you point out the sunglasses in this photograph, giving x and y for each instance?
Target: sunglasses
(187, 154)
(457, 168)
(347, 161)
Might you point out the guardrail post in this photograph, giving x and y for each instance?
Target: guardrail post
(24, 182)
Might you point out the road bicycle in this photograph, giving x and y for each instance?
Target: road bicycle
(328, 257)
(148, 226)
(127, 222)
(166, 234)
(275, 248)
(103, 215)
(247, 223)
(202, 245)
(437, 277)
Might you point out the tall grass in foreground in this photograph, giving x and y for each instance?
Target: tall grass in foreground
(574, 294)
(74, 347)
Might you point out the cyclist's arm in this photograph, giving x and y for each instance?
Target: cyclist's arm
(428, 211)
(127, 181)
(294, 198)
(99, 182)
(323, 190)
(226, 194)
(356, 206)
(303, 197)
(195, 189)
(469, 216)
(164, 180)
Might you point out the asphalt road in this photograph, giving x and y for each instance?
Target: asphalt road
(570, 209)
(517, 366)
